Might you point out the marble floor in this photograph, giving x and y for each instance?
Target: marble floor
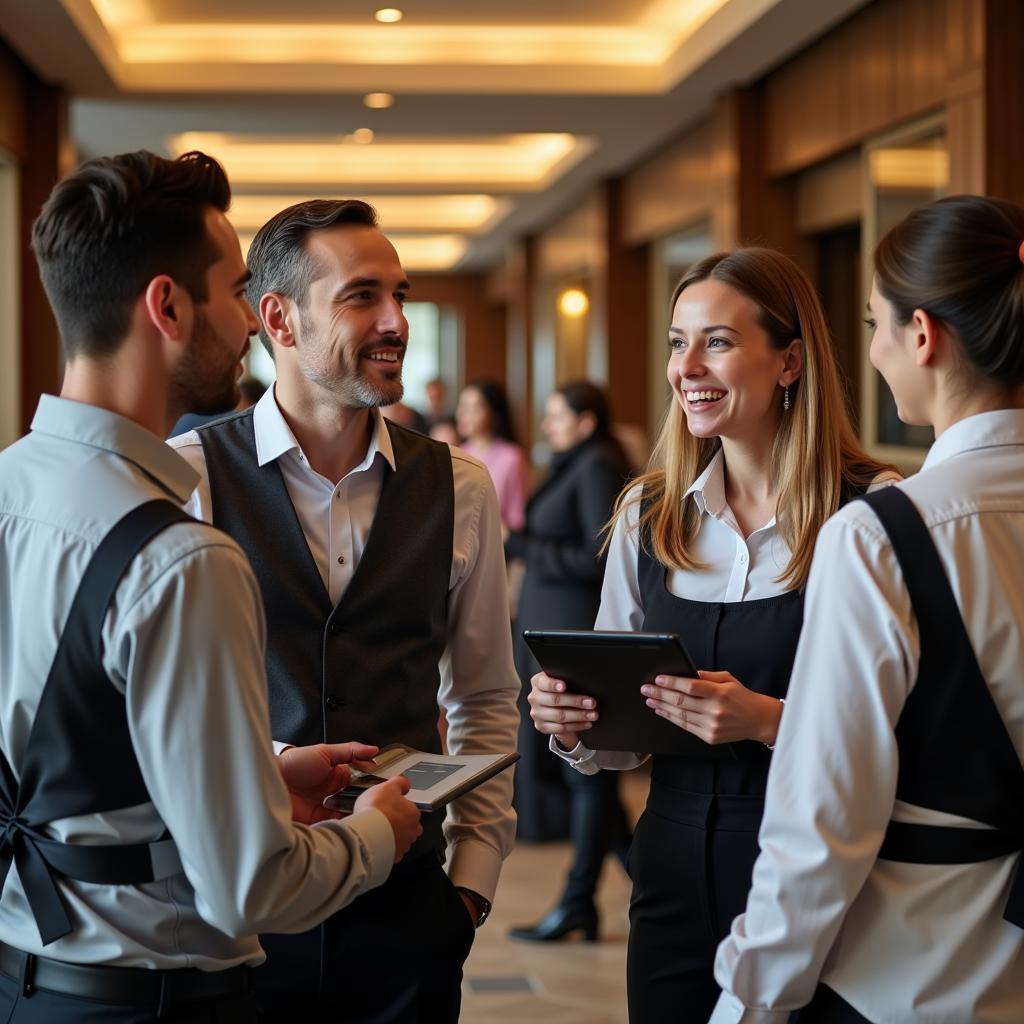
(571, 982)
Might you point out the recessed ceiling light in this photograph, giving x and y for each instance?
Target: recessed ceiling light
(378, 100)
(362, 136)
(389, 15)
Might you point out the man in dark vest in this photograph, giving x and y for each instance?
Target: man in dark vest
(379, 554)
(146, 834)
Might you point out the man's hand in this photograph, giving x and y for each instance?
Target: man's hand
(404, 816)
(314, 773)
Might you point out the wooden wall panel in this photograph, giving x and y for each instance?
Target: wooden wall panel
(574, 244)
(1004, 99)
(670, 191)
(886, 64)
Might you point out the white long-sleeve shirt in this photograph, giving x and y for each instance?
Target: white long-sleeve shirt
(479, 685)
(183, 640)
(901, 943)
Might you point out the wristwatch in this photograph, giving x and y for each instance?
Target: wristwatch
(482, 904)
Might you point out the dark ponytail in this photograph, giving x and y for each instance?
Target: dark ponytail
(959, 259)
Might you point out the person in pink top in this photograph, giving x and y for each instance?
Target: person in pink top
(484, 422)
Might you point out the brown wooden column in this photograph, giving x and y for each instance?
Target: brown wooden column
(750, 208)
(1004, 99)
(626, 314)
(41, 164)
(519, 336)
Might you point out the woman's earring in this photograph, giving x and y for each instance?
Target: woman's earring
(785, 399)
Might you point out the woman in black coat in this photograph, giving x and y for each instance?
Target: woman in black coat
(562, 590)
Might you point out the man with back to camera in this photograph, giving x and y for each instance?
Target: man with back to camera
(147, 832)
(368, 629)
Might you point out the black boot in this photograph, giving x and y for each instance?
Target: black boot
(560, 922)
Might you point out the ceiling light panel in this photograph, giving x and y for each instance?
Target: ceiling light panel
(454, 213)
(416, 252)
(502, 162)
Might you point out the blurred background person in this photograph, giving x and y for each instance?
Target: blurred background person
(437, 410)
(484, 422)
(562, 590)
(445, 430)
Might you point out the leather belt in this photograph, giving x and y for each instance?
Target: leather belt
(123, 985)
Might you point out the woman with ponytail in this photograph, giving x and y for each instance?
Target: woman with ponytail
(714, 543)
(889, 886)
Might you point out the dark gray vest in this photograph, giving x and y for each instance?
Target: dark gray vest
(366, 669)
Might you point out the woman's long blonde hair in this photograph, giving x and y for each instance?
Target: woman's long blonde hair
(815, 452)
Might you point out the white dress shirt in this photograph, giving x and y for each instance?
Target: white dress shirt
(737, 568)
(183, 640)
(902, 943)
(479, 685)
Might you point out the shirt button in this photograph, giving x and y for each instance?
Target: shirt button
(333, 628)
(341, 559)
(332, 703)
(743, 559)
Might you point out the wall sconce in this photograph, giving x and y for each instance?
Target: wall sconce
(573, 302)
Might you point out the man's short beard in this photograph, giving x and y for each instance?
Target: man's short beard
(193, 389)
(358, 391)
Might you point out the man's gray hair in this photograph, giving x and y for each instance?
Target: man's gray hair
(279, 260)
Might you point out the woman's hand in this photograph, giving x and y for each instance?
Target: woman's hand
(558, 713)
(717, 707)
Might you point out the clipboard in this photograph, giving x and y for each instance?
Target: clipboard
(611, 667)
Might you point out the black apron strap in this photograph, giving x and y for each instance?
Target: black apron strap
(79, 758)
(956, 755)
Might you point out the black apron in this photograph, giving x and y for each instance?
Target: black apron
(79, 758)
(695, 846)
(955, 754)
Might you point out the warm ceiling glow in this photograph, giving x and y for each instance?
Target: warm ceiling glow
(389, 15)
(143, 46)
(363, 136)
(462, 213)
(509, 162)
(378, 100)
(909, 168)
(417, 252)
(573, 302)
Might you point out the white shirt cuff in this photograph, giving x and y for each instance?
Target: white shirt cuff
(729, 1010)
(580, 757)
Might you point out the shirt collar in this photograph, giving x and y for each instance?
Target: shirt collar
(111, 432)
(984, 430)
(274, 437)
(708, 489)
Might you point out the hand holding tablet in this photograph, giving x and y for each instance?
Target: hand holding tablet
(603, 672)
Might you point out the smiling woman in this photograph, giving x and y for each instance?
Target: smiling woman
(714, 543)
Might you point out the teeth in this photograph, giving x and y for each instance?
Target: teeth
(384, 357)
(704, 396)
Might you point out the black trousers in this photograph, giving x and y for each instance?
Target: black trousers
(42, 1007)
(691, 874)
(393, 956)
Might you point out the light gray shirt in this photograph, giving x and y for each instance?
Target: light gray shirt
(479, 685)
(902, 943)
(183, 640)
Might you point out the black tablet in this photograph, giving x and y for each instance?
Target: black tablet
(611, 667)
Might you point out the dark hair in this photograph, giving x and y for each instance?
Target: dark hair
(581, 396)
(496, 401)
(959, 260)
(278, 259)
(114, 224)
